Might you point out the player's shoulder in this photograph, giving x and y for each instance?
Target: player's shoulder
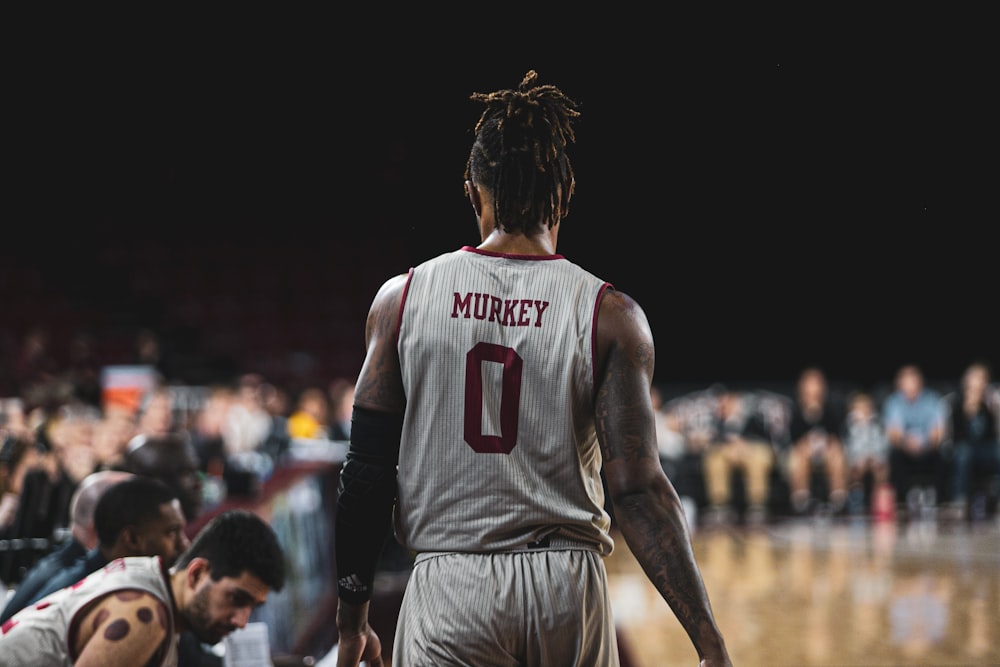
(393, 285)
(623, 334)
(125, 616)
(622, 320)
(618, 304)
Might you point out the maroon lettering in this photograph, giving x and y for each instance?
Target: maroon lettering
(508, 312)
(461, 305)
(496, 303)
(522, 318)
(482, 301)
(540, 306)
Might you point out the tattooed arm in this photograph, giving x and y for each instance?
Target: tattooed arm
(368, 483)
(648, 511)
(127, 627)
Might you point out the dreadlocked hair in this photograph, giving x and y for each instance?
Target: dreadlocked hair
(519, 153)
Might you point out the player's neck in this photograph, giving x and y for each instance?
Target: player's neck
(541, 243)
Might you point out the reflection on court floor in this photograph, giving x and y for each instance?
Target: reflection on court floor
(848, 593)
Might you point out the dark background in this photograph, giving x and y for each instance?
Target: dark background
(773, 193)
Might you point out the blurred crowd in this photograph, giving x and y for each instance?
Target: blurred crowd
(911, 451)
(735, 454)
(60, 423)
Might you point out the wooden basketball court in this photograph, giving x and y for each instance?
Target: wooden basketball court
(817, 592)
(830, 593)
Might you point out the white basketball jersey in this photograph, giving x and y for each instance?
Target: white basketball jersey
(499, 446)
(40, 633)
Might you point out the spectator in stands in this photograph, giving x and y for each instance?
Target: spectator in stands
(138, 516)
(914, 416)
(83, 370)
(682, 452)
(669, 438)
(14, 420)
(671, 445)
(251, 441)
(341, 393)
(82, 538)
(112, 435)
(867, 449)
(276, 401)
(173, 460)
(35, 367)
(815, 436)
(18, 456)
(71, 437)
(46, 488)
(696, 414)
(40, 508)
(207, 429)
(229, 569)
(248, 423)
(309, 418)
(156, 413)
(972, 428)
(740, 443)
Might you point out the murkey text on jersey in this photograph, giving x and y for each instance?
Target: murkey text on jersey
(508, 312)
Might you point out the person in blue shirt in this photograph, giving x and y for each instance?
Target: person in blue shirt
(915, 416)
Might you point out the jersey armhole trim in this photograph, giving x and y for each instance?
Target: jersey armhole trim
(402, 303)
(593, 335)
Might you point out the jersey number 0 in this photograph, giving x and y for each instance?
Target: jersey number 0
(510, 398)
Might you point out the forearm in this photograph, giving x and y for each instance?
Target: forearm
(653, 525)
(352, 619)
(367, 493)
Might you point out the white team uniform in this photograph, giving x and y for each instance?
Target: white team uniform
(499, 464)
(39, 635)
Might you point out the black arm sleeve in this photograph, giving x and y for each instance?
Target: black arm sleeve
(365, 500)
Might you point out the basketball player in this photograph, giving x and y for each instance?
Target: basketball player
(500, 379)
(130, 611)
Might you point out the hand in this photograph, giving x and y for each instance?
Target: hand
(366, 647)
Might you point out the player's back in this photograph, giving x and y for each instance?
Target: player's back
(499, 446)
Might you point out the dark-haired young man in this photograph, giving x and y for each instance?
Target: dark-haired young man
(498, 381)
(131, 611)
